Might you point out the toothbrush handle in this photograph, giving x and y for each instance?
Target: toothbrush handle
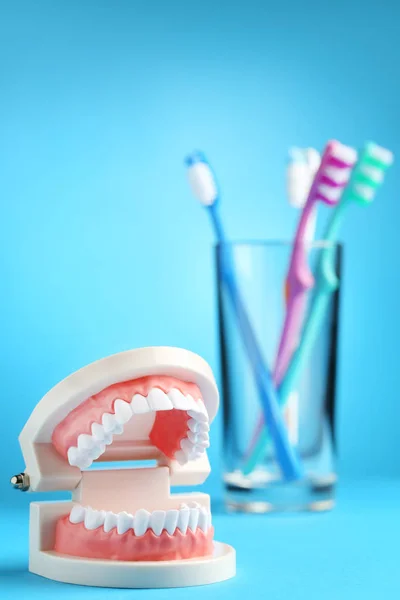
(291, 331)
(296, 308)
(286, 455)
(289, 340)
(299, 280)
(327, 283)
(310, 331)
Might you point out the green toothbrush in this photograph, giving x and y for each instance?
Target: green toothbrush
(366, 178)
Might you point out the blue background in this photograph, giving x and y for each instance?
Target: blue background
(103, 247)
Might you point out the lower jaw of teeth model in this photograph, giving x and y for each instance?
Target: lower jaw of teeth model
(123, 527)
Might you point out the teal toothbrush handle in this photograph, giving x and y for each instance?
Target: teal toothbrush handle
(326, 283)
(310, 332)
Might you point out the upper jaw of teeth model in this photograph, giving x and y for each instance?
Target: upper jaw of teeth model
(147, 404)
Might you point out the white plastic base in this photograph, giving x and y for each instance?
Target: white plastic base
(124, 574)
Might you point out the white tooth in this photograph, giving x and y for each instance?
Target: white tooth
(78, 458)
(94, 518)
(202, 445)
(203, 410)
(183, 520)
(196, 438)
(203, 427)
(124, 522)
(97, 451)
(157, 520)
(73, 456)
(111, 425)
(200, 414)
(178, 399)
(192, 436)
(194, 504)
(186, 446)
(171, 520)
(85, 442)
(197, 455)
(139, 405)
(209, 519)
(100, 435)
(110, 521)
(196, 452)
(122, 411)
(193, 518)
(191, 402)
(193, 425)
(142, 519)
(203, 518)
(77, 514)
(181, 457)
(158, 400)
(85, 461)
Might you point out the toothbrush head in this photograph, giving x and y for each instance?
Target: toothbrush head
(201, 178)
(302, 165)
(334, 172)
(313, 158)
(369, 173)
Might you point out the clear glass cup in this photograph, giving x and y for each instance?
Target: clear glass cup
(260, 272)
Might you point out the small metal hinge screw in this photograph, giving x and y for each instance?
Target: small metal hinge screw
(20, 482)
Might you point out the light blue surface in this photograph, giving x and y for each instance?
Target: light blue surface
(348, 554)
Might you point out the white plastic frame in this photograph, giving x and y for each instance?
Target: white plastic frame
(47, 470)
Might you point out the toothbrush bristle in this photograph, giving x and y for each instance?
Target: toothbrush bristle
(296, 154)
(364, 192)
(334, 173)
(369, 173)
(381, 155)
(329, 194)
(201, 179)
(343, 154)
(374, 174)
(337, 175)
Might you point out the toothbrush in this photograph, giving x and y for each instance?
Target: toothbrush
(367, 177)
(328, 184)
(204, 187)
(301, 169)
(329, 181)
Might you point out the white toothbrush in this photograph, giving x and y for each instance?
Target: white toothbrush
(301, 169)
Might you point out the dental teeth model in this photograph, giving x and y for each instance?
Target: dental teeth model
(123, 528)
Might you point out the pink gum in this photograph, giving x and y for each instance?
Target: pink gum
(76, 540)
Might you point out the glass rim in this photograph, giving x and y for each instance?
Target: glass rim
(277, 243)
